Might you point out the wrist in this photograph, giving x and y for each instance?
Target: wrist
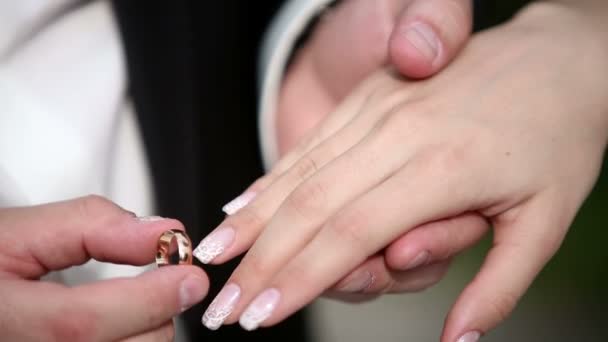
(574, 27)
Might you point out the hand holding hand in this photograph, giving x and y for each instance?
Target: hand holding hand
(356, 38)
(351, 41)
(505, 136)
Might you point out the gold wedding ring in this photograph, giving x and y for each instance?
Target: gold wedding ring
(184, 248)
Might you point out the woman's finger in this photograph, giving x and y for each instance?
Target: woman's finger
(166, 333)
(428, 244)
(313, 202)
(347, 239)
(54, 236)
(239, 230)
(332, 123)
(525, 239)
(296, 222)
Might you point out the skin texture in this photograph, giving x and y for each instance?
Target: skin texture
(519, 142)
(355, 39)
(37, 240)
(375, 34)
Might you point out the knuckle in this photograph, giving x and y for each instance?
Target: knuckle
(351, 225)
(305, 167)
(246, 218)
(72, 325)
(253, 267)
(97, 206)
(307, 200)
(263, 182)
(447, 160)
(409, 125)
(298, 275)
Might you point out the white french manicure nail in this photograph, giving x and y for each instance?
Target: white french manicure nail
(214, 244)
(260, 309)
(221, 307)
(472, 336)
(236, 204)
(150, 218)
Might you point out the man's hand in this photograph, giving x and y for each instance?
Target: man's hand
(37, 240)
(356, 38)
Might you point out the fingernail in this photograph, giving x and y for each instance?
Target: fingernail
(214, 244)
(359, 282)
(260, 309)
(221, 307)
(236, 204)
(150, 218)
(191, 291)
(421, 259)
(472, 336)
(423, 38)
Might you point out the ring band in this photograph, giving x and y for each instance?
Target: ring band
(184, 248)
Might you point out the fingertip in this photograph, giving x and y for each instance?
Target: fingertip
(402, 254)
(428, 35)
(415, 50)
(460, 323)
(190, 282)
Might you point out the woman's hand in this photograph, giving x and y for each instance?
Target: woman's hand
(40, 239)
(513, 130)
(419, 38)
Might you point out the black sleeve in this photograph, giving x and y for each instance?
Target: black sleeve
(192, 76)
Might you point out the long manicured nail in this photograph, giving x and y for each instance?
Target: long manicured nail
(423, 38)
(221, 307)
(472, 336)
(260, 309)
(358, 282)
(421, 259)
(191, 291)
(150, 218)
(214, 244)
(236, 204)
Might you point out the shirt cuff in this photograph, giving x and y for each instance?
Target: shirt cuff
(280, 40)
